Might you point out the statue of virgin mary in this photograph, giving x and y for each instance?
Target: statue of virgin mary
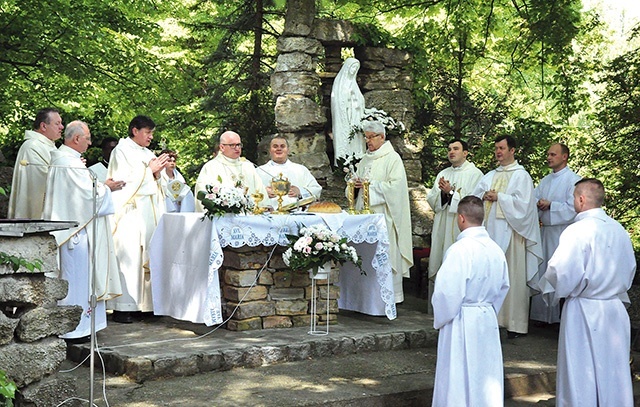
(347, 110)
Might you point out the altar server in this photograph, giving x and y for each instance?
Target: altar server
(554, 197)
(70, 196)
(178, 195)
(592, 268)
(471, 286)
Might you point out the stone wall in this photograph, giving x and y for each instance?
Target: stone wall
(279, 299)
(309, 58)
(30, 321)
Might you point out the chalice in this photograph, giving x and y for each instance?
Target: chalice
(257, 198)
(280, 186)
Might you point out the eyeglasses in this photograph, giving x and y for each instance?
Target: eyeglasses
(239, 145)
(372, 137)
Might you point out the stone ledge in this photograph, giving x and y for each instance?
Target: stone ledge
(173, 364)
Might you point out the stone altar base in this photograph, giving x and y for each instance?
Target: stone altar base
(260, 292)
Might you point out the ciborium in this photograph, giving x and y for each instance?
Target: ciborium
(280, 186)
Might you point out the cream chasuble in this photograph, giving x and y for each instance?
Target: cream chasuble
(29, 181)
(226, 171)
(512, 222)
(389, 195)
(69, 196)
(138, 208)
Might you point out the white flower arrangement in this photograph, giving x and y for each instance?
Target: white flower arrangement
(372, 114)
(317, 245)
(218, 199)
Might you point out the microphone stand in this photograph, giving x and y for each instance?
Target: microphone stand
(93, 301)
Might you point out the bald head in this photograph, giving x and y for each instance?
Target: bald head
(230, 144)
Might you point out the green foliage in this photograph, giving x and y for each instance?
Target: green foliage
(610, 148)
(15, 262)
(7, 390)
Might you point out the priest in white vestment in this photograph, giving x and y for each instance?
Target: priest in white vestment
(139, 206)
(554, 197)
(303, 184)
(471, 286)
(388, 195)
(511, 218)
(592, 269)
(178, 195)
(30, 171)
(70, 197)
(451, 185)
(229, 169)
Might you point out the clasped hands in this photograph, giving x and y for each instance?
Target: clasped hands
(490, 195)
(444, 185)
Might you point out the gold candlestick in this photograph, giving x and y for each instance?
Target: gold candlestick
(351, 197)
(365, 197)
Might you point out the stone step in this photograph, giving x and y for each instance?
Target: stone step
(364, 361)
(161, 347)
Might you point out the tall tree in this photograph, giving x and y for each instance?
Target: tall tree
(97, 61)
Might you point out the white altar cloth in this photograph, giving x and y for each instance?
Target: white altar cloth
(186, 256)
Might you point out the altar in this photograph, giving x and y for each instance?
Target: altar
(187, 253)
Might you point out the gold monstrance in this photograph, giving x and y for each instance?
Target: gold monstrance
(280, 186)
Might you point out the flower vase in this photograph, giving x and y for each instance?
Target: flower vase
(323, 273)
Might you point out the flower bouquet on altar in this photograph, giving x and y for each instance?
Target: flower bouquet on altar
(317, 245)
(219, 199)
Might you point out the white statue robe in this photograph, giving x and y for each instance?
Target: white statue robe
(389, 195)
(29, 182)
(592, 268)
(297, 174)
(512, 222)
(556, 187)
(226, 171)
(471, 286)
(347, 111)
(69, 196)
(138, 208)
(178, 195)
(464, 179)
